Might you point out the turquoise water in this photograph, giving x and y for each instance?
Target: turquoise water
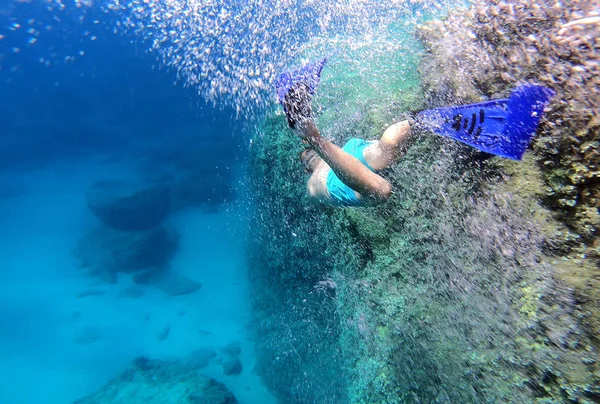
(158, 246)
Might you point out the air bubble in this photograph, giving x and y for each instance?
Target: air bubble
(213, 44)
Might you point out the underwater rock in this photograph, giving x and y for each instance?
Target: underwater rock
(496, 46)
(132, 292)
(485, 51)
(199, 359)
(232, 349)
(170, 283)
(291, 248)
(160, 382)
(232, 366)
(128, 206)
(164, 334)
(105, 252)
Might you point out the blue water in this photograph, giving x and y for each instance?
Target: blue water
(82, 104)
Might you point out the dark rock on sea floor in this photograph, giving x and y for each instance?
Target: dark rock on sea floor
(132, 292)
(232, 349)
(232, 366)
(160, 382)
(128, 206)
(106, 252)
(88, 336)
(170, 283)
(164, 334)
(200, 358)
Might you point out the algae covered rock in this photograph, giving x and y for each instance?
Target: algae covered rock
(292, 248)
(494, 46)
(484, 51)
(160, 382)
(129, 206)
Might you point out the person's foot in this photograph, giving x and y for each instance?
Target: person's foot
(297, 104)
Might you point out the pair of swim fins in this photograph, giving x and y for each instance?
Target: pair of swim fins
(503, 127)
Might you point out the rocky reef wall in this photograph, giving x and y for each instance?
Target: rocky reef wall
(291, 253)
(494, 46)
(477, 281)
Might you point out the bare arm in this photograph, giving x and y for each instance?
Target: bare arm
(347, 167)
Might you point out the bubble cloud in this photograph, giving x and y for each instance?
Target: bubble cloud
(231, 52)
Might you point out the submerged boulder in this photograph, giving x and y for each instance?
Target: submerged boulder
(107, 251)
(232, 366)
(161, 382)
(171, 283)
(199, 359)
(232, 349)
(129, 206)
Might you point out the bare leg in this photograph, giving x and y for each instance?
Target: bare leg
(390, 147)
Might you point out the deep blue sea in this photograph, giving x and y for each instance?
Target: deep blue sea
(80, 104)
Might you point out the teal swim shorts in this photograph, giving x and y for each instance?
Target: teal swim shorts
(342, 194)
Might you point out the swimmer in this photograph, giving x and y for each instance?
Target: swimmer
(343, 176)
(349, 176)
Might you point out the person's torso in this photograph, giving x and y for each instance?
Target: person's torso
(339, 193)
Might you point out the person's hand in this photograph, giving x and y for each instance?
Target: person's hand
(297, 105)
(307, 131)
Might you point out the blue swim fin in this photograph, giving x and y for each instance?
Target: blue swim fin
(295, 90)
(502, 127)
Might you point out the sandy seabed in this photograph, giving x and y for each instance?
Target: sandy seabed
(56, 347)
